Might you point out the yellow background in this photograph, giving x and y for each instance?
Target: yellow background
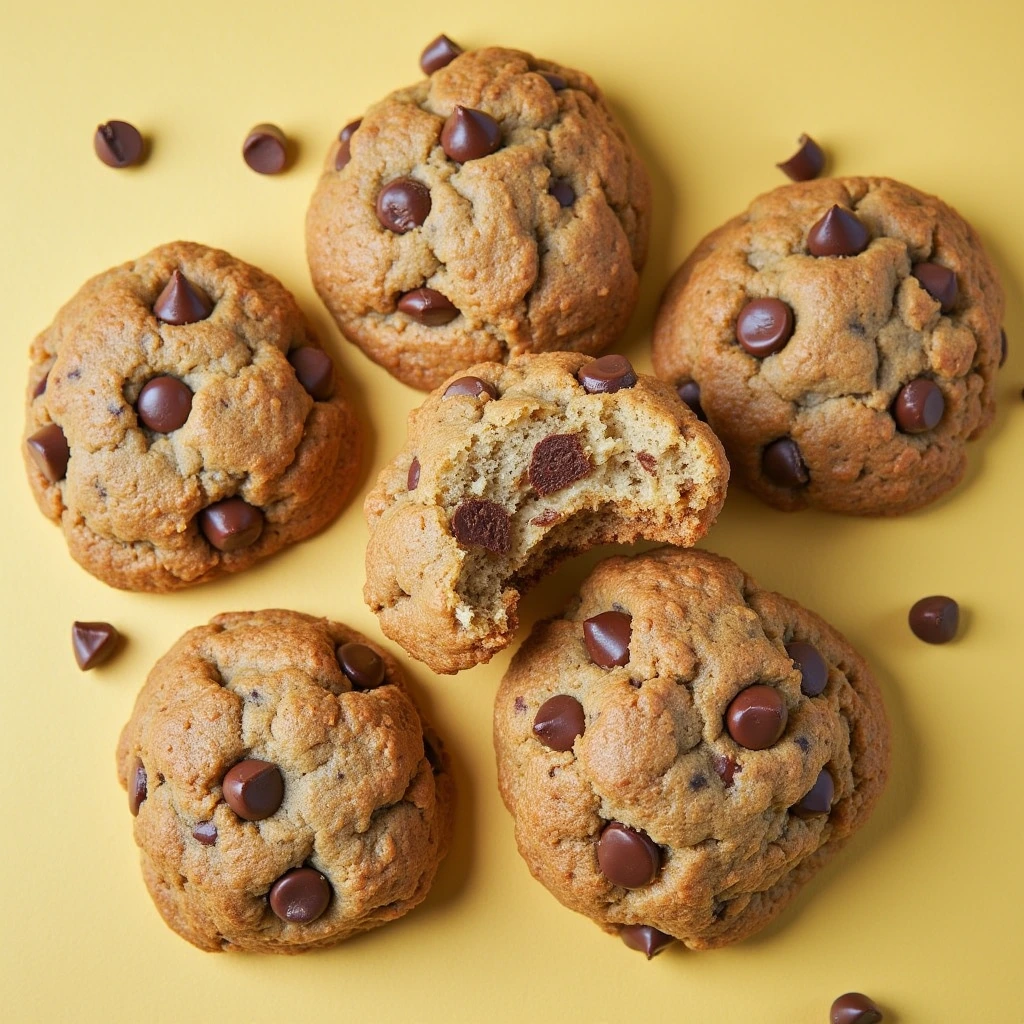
(921, 911)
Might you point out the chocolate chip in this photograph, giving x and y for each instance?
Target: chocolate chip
(138, 787)
(606, 375)
(645, 939)
(118, 144)
(562, 191)
(1004, 350)
(811, 666)
(689, 392)
(818, 799)
(757, 716)
(412, 478)
(806, 163)
(164, 404)
(838, 233)
(314, 371)
(854, 1008)
(474, 387)
(265, 149)
(438, 54)
(49, 450)
(627, 857)
(559, 721)
(764, 326)
(935, 619)
(349, 130)
(919, 406)
(403, 204)
(783, 464)
(939, 282)
(469, 134)
(557, 82)
(231, 524)
(698, 782)
(557, 461)
(253, 789)
(363, 665)
(607, 637)
(344, 153)
(520, 705)
(181, 302)
(427, 307)
(300, 895)
(93, 643)
(205, 832)
(40, 388)
(432, 752)
(484, 524)
(725, 767)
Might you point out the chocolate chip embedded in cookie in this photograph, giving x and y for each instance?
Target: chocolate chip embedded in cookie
(494, 209)
(509, 469)
(286, 792)
(842, 338)
(182, 421)
(686, 788)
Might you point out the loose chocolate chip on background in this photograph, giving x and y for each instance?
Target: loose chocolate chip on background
(559, 721)
(205, 832)
(253, 789)
(919, 406)
(473, 387)
(935, 619)
(645, 939)
(265, 149)
(818, 799)
(607, 637)
(939, 282)
(689, 392)
(854, 1008)
(606, 375)
(119, 144)
(557, 461)
(757, 716)
(811, 666)
(437, 54)
(344, 154)
(363, 665)
(469, 134)
(403, 204)
(164, 404)
(181, 302)
(838, 233)
(764, 326)
(412, 479)
(49, 450)
(725, 767)
(557, 82)
(428, 307)
(783, 464)
(93, 643)
(314, 371)
(300, 895)
(562, 191)
(627, 857)
(483, 524)
(138, 787)
(231, 524)
(806, 163)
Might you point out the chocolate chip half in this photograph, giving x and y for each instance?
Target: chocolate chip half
(231, 524)
(483, 524)
(253, 789)
(469, 134)
(363, 665)
(764, 326)
(164, 404)
(757, 717)
(607, 637)
(838, 233)
(725, 767)
(689, 392)
(93, 643)
(437, 54)
(428, 307)
(403, 204)
(919, 406)
(181, 302)
(557, 82)
(49, 450)
(300, 895)
(606, 375)
(818, 799)
(562, 191)
(783, 464)
(138, 787)
(557, 461)
(474, 387)
(1004, 349)
(205, 832)
(118, 144)
(314, 371)
(854, 1008)
(412, 479)
(645, 939)
(265, 149)
(806, 163)
(559, 721)
(939, 282)
(935, 620)
(811, 666)
(627, 857)
(344, 154)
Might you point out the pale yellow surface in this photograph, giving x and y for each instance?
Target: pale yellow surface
(923, 909)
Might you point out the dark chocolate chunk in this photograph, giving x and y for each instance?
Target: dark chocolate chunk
(474, 387)
(181, 302)
(811, 666)
(483, 524)
(438, 53)
(627, 857)
(557, 461)
(265, 149)
(935, 619)
(919, 406)
(818, 799)
(756, 718)
(559, 721)
(164, 404)
(806, 163)
(854, 1008)
(412, 478)
(725, 767)
(205, 832)
(783, 464)
(645, 939)
(562, 191)
(138, 787)
(939, 282)
(469, 134)
(300, 895)
(314, 371)
(253, 789)
(93, 643)
(49, 450)
(606, 375)
(403, 204)
(118, 144)
(363, 665)
(838, 233)
(428, 307)
(607, 638)
(764, 326)
(231, 524)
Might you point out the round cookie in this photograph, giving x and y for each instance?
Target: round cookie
(842, 337)
(682, 750)
(183, 422)
(503, 186)
(287, 793)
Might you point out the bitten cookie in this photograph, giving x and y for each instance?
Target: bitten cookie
(682, 750)
(183, 421)
(493, 209)
(510, 469)
(842, 337)
(286, 793)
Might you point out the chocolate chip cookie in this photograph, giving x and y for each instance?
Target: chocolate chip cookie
(286, 792)
(842, 337)
(511, 468)
(493, 209)
(183, 422)
(682, 750)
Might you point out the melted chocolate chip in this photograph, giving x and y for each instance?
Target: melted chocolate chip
(919, 406)
(138, 787)
(783, 464)
(811, 665)
(562, 191)
(557, 461)
(403, 204)
(939, 282)
(557, 82)
(725, 767)
(428, 307)
(363, 666)
(606, 375)
(474, 387)
(300, 895)
(818, 799)
(689, 392)
(344, 154)
(483, 524)
(412, 478)
(756, 718)
(314, 371)
(764, 326)
(253, 789)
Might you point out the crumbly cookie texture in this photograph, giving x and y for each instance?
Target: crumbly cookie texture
(131, 498)
(864, 329)
(359, 798)
(537, 245)
(647, 773)
(501, 479)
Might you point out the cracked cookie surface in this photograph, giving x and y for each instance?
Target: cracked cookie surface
(287, 793)
(191, 448)
(644, 794)
(919, 306)
(537, 246)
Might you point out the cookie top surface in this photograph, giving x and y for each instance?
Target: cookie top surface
(918, 301)
(534, 246)
(273, 742)
(666, 704)
(176, 382)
